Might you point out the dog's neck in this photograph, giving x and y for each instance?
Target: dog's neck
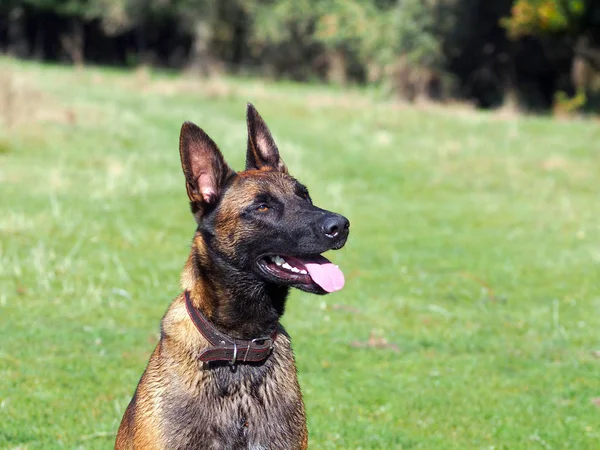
(237, 303)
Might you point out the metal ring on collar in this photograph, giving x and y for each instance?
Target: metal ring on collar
(234, 359)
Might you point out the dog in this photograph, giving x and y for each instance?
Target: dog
(223, 375)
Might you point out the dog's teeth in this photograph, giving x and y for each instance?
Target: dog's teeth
(293, 269)
(286, 266)
(278, 260)
(303, 272)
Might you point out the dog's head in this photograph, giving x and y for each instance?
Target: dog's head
(261, 221)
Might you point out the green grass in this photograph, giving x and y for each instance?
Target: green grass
(474, 254)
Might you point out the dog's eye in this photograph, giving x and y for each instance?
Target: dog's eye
(262, 208)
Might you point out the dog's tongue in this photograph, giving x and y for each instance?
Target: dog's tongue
(325, 274)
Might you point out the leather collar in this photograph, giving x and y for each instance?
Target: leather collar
(224, 347)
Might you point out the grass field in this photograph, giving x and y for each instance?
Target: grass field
(471, 312)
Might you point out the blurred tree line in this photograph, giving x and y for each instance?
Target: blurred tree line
(529, 53)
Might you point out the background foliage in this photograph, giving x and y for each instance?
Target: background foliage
(521, 52)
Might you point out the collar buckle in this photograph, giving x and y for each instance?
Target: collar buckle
(226, 348)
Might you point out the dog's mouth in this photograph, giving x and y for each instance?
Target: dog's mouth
(305, 272)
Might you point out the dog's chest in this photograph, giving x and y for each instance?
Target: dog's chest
(253, 407)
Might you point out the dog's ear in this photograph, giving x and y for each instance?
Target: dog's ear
(262, 153)
(203, 165)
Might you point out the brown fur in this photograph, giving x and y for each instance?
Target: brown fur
(174, 374)
(181, 402)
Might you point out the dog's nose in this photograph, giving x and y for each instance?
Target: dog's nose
(333, 225)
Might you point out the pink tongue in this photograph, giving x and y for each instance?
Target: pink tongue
(325, 274)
